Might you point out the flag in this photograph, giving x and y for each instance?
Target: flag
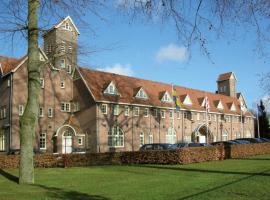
(242, 106)
(206, 104)
(176, 99)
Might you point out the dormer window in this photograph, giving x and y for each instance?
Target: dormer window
(141, 94)
(187, 100)
(111, 89)
(233, 108)
(220, 105)
(166, 98)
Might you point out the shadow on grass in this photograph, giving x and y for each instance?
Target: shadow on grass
(57, 193)
(264, 173)
(261, 159)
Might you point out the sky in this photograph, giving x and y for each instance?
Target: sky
(152, 51)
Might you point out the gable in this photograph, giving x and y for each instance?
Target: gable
(220, 105)
(111, 89)
(141, 94)
(233, 107)
(166, 98)
(187, 100)
(67, 24)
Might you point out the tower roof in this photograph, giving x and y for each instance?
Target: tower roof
(225, 76)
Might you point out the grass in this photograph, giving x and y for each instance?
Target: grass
(229, 179)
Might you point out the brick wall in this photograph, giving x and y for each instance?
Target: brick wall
(180, 156)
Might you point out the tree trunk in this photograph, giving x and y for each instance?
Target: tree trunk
(29, 119)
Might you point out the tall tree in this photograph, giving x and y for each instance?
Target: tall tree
(264, 127)
(29, 119)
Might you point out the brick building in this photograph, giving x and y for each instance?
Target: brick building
(83, 109)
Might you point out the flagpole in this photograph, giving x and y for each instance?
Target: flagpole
(258, 124)
(207, 128)
(242, 131)
(172, 115)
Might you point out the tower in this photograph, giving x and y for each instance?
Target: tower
(226, 84)
(60, 45)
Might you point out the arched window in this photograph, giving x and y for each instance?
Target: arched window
(170, 136)
(116, 137)
(141, 139)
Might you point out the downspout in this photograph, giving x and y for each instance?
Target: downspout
(132, 129)
(97, 129)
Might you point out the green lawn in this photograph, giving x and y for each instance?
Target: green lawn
(230, 179)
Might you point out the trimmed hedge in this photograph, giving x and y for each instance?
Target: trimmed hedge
(179, 156)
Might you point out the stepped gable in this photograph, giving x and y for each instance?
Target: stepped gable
(97, 81)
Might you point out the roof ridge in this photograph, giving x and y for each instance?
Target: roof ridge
(159, 82)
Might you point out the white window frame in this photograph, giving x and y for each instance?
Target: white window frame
(62, 84)
(198, 116)
(155, 112)
(151, 138)
(171, 114)
(146, 112)
(136, 111)
(80, 141)
(69, 69)
(178, 114)
(104, 109)
(141, 94)
(50, 112)
(163, 114)
(42, 140)
(111, 89)
(65, 106)
(41, 112)
(166, 98)
(115, 110)
(126, 110)
(2, 140)
(141, 139)
(21, 110)
(42, 83)
(62, 64)
(116, 137)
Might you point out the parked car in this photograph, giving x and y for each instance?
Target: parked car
(265, 139)
(155, 146)
(242, 141)
(186, 144)
(225, 143)
(252, 140)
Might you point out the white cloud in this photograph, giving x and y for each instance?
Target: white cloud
(118, 69)
(172, 52)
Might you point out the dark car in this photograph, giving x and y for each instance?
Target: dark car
(265, 139)
(155, 146)
(252, 140)
(225, 143)
(186, 144)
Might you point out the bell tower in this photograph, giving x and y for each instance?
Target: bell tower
(61, 43)
(226, 84)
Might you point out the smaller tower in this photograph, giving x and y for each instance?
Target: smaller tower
(226, 84)
(60, 44)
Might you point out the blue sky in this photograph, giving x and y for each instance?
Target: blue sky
(152, 51)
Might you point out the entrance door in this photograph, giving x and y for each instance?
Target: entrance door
(67, 144)
(202, 139)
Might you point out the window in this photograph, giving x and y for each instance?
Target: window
(111, 89)
(41, 112)
(8, 83)
(49, 48)
(126, 113)
(162, 113)
(3, 113)
(67, 27)
(62, 84)
(2, 141)
(62, 63)
(42, 141)
(229, 118)
(141, 94)
(170, 136)
(80, 141)
(155, 112)
(103, 109)
(185, 115)
(145, 113)
(198, 116)
(65, 107)
(21, 110)
(224, 135)
(115, 109)
(116, 137)
(70, 48)
(76, 106)
(136, 111)
(50, 112)
(214, 117)
(42, 82)
(166, 98)
(224, 88)
(178, 115)
(69, 69)
(209, 117)
(151, 139)
(171, 114)
(62, 47)
(141, 139)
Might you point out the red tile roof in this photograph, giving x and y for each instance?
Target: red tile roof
(97, 82)
(225, 76)
(8, 64)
